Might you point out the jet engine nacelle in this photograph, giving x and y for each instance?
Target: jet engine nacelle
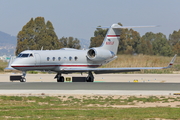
(99, 54)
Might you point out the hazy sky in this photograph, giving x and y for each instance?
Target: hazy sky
(78, 18)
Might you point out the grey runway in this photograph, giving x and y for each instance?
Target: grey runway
(90, 86)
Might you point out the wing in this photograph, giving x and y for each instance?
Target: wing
(114, 70)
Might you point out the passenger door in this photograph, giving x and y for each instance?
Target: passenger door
(37, 59)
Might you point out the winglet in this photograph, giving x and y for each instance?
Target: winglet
(9, 68)
(172, 61)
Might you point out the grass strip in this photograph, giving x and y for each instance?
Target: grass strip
(85, 107)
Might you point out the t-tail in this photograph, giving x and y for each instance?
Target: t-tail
(111, 41)
(109, 47)
(108, 50)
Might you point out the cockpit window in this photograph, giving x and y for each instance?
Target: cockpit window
(19, 55)
(31, 55)
(25, 55)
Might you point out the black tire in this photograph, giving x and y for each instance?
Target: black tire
(23, 80)
(89, 79)
(61, 79)
(58, 79)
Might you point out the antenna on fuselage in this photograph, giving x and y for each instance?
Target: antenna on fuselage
(42, 48)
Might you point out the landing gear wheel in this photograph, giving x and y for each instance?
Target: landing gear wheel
(90, 77)
(60, 79)
(23, 80)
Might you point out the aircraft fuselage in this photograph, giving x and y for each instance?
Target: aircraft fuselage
(54, 60)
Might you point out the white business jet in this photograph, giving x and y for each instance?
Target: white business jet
(68, 60)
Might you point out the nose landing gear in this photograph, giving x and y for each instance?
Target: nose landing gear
(23, 79)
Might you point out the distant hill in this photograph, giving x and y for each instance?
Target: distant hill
(7, 44)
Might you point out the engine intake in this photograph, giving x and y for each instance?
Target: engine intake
(99, 54)
(91, 53)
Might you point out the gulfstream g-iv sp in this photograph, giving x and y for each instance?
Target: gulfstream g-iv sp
(67, 60)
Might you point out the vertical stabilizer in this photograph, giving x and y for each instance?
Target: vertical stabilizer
(111, 41)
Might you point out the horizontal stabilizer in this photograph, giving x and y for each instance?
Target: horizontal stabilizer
(116, 26)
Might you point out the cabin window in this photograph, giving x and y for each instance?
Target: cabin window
(65, 58)
(54, 58)
(48, 58)
(70, 58)
(75, 58)
(59, 58)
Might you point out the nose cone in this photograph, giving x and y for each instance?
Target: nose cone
(18, 64)
(15, 65)
(23, 64)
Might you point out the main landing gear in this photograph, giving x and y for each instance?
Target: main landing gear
(59, 77)
(89, 78)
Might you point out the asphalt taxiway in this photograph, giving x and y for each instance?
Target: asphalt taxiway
(102, 77)
(113, 84)
(89, 86)
(101, 88)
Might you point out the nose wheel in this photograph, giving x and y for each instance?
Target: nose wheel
(23, 79)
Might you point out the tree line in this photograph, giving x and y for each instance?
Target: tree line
(149, 44)
(37, 34)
